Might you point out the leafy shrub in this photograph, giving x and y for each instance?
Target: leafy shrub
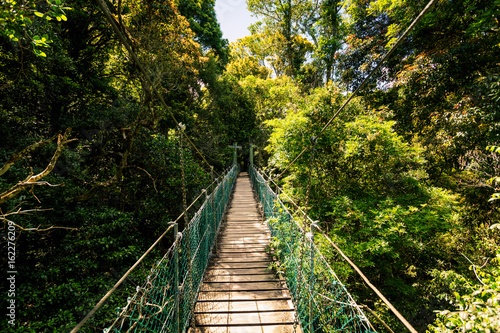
(477, 306)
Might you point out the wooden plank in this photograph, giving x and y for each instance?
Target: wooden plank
(247, 329)
(241, 265)
(239, 277)
(242, 271)
(244, 318)
(252, 306)
(235, 248)
(243, 296)
(242, 286)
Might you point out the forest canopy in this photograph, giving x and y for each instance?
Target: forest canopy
(405, 179)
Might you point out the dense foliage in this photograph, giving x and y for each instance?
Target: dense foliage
(117, 162)
(402, 179)
(405, 180)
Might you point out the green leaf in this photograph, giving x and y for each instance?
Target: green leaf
(40, 53)
(494, 149)
(495, 196)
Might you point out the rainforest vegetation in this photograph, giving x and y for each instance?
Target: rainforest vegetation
(404, 180)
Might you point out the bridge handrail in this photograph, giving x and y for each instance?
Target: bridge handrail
(322, 302)
(166, 300)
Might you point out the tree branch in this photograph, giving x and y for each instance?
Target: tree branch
(32, 180)
(145, 171)
(119, 170)
(28, 211)
(37, 229)
(16, 157)
(474, 268)
(19, 212)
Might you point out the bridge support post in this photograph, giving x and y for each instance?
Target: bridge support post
(176, 275)
(251, 154)
(271, 203)
(212, 204)
(221, 202)
(311, 283)
(265, 200)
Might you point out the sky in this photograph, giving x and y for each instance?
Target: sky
(234, 18)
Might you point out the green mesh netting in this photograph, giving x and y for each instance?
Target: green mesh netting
(165, 302)
(322, 301)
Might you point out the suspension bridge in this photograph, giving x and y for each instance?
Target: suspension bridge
(243, 263)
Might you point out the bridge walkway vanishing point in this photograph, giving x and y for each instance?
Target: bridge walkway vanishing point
(239, 292)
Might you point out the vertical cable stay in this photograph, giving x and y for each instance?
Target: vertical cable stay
(183, 174)
(309, 178)
(365, 81)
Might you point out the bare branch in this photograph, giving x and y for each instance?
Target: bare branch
(477, 185)
(44, 183)
(29, 211)
(474, 268)
(16, 157)
(32, 180)
(145, 171)
(37, 229)
(483, 166)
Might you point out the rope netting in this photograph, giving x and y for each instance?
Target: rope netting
(321, 300)
(165, 301)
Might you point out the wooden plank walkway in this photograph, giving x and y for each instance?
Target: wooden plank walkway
(239, 293)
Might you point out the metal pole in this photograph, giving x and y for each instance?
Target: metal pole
(278, 205)
(311, 282)
(271, 204)
(218, 202)
(208, 219)
(223, 195)
(251, 154)
(265, 198)
(234, 154)
(213, 208)
(176, 275)
(235, 146)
